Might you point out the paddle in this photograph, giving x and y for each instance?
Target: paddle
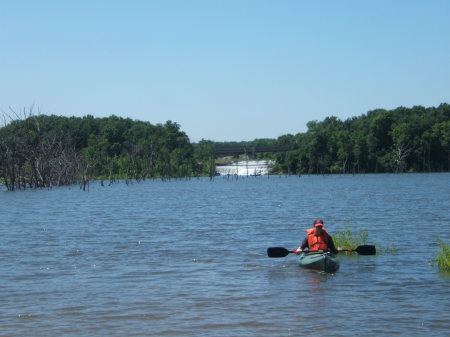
(362, 250)
(278, 252)
(282, 252)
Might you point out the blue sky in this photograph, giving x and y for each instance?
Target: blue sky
(225, 70)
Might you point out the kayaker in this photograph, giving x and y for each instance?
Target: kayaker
(317, 239)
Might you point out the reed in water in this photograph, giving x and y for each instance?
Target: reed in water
(443, 257)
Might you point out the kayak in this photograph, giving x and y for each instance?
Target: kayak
(321, 261)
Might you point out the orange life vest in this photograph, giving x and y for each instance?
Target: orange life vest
(317, 242)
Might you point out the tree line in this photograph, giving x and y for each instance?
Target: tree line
(44, 151)
(413, 139)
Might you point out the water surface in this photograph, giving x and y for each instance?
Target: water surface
(188, 258)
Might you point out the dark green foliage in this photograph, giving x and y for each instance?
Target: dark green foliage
(399, 140)
(44, 151)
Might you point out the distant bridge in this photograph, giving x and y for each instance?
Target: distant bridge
(251, 150)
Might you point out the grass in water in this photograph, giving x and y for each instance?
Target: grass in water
(443, 257)
(391, 248)
(347, 239)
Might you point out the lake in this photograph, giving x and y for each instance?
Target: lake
(188, 258)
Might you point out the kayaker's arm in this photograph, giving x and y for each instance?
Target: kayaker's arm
(302, 246)
(331, 246)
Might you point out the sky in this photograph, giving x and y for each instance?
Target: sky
(224, 70)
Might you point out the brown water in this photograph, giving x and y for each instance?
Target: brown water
(188, 258)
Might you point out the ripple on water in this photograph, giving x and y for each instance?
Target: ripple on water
(188, 258)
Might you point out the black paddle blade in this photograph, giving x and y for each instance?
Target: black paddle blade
(277, 252)
(366, 250)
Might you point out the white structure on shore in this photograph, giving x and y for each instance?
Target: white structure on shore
(246, 168)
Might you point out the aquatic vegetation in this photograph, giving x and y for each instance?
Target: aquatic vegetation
(443, 257)
(391, 248)
(347, 239)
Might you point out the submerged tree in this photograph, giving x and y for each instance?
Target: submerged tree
(32, 155)
(46, 151)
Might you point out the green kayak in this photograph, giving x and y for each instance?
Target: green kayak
(325, 262)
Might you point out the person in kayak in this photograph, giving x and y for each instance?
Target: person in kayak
(317, 239)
